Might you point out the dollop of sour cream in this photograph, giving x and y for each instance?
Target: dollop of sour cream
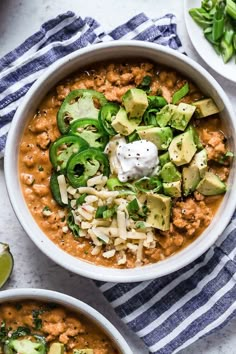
(136, 159)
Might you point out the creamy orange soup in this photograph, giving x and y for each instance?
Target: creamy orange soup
(41, 324)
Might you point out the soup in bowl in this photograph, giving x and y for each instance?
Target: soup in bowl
(40, 321)
(124, 163)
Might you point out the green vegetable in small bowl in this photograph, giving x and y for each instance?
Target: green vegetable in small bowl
(217, 19)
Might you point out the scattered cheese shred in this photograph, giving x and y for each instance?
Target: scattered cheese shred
(62, 188)
(109, 254)
(121, 221)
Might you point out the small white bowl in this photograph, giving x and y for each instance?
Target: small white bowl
(74, 305)
(58, 71)
(204, 48)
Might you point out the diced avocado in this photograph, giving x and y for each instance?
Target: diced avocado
(164, 158)
(83, 351)
(191, 178)
(161, 137)
(211, 185)
(172, 189)
(195, 137)
(159, 207)
(56, 348)
(169, 173)
(200, 161)
(182, 116)
(123, 125)
(25, 346)
(205, 108)
(164, 116)
(135, 102)
(182, 148)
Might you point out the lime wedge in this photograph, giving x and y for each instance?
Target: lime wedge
(6, 263)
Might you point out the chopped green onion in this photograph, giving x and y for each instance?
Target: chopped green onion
(223, 159)
(231, 8)
(99, 212)
(208, 4)
(178, 95)
(109, 213)
(113, 184)
(133, 137)
(146, 184)
(207, 30)
(201, 17)
(226, 44)
(229, 154)
(218, 22)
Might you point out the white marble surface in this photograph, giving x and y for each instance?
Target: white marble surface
(19, 19)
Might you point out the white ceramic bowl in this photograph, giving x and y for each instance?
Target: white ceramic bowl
(74, 305)
(87, 56)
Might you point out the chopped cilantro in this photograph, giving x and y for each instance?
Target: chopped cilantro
(145, 84)
(20, 332)
(3, 332)
(46, 208)
(18, 307)
(133, 206)
(36, 320)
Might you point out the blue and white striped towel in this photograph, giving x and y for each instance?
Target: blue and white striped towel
(174, 311)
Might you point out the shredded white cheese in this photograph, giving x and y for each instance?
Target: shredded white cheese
(109, 254)
(65, 229)
(62, 187)
(121, 220)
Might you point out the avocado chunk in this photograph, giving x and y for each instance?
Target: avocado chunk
(159, 207)
(135, 102)
(56, 348)
(200, 161)
(195, 137)
(164, 158)
(83, 351)
(182, 116)
(211, 185)
(182, 148)
(172, 189)
(191, 178)
(169, 173)
(123, 125)
(161, 137)
(25, 346)
(166, 113)
(205, 108)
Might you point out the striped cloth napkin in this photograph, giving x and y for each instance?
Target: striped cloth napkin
(174, 311)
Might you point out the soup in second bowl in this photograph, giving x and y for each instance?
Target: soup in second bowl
(33, 327)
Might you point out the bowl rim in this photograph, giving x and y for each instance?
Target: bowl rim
(38, 294)
(93, 271)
